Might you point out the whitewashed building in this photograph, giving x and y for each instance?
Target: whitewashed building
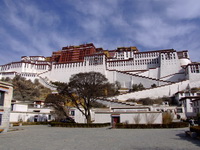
(30, 112)
(196, 106)
(6, 92)
(189, 99)
(187, 102)
(138, 114)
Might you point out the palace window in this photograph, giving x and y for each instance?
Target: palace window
(174, 56)
(179, 110)
(0, 118)
(170, 56)
(49, 117)
(197, 69)
(72, 113)
(2, 98)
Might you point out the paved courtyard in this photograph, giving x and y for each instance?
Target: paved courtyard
(54, 138)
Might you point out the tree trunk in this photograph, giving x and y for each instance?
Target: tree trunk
(88, 117)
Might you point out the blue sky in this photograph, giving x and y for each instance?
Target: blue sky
(39, 27)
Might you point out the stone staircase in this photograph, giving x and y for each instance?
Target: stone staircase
(46, 83)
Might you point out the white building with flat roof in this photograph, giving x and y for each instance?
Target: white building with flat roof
(30, 112)
(138, 114)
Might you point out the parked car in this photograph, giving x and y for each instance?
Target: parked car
(67, 120)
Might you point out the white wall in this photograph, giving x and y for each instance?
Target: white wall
(7, 74)
(128, 117)
(63, 72)
(174, 77)
(20, 107)
(194, 79)
(127, 80)
(188, 107)
(169, 66)
(79, 117)
(102, 117)
(145, 117)
(151, 73)
(28, 116)
(166, 90)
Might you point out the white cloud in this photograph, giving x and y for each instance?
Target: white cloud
(155, 32)
(184, 9)
(108, 24)
(96, 8)
(33, 27)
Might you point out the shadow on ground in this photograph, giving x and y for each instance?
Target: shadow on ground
(183, 136)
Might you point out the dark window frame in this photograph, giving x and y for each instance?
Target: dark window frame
(72, 112)
(1, 119)
(2, 96)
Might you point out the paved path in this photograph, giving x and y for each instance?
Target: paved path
(54, 138)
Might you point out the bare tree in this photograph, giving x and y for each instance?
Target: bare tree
(58, 103)
(137, 119)
(151, 118)
(85, 88)
(167, 117)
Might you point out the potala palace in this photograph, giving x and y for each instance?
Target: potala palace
(170, 70)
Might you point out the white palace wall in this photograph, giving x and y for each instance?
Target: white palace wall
(193, 74)
(17, 67)
(127, 80)
(151, 73)
(29, 76)
(138, 63)
(24, 67)
(194, 79)
(148, 68)
(63, 72)
(169, 64)
(8, 74)
(165, 90)
(175, 77)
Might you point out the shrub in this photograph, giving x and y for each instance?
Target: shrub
(153, 85)
(195, 129)
(35, 123)
(79, 125)
(137, 119)
(137, 87)
(29, 123)
(167, 117)
(151, 126)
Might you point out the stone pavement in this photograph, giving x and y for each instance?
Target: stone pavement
(55, 138)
